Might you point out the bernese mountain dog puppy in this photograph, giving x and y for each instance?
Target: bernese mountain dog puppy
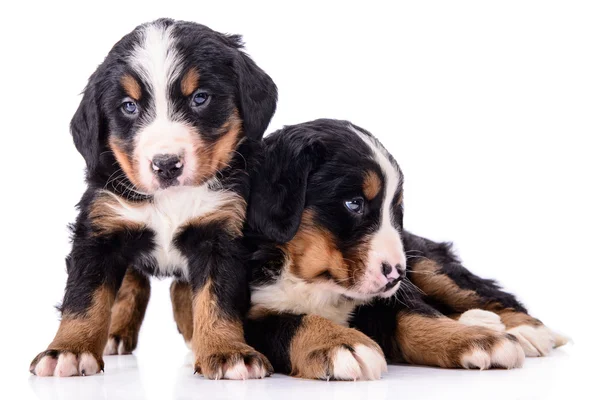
(338, 286)
(167, 126)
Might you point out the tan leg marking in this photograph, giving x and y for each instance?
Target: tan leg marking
(443, 342)
(218, 343)
(322, 349)
(78, 344)
(442, 288)
(105, 218)
(181, 299)
(128, 313)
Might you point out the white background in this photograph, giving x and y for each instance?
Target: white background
(491, 108)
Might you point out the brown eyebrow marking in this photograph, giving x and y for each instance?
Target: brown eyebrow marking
(371, 184)
(132, 87)
(190, 81)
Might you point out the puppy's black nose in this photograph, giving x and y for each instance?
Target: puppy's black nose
(393, 274)
(167, 166)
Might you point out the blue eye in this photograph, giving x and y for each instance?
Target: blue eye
(199, 98)
(129, 107)
(355, 205)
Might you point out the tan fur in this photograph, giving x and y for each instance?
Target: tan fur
(313, 252)
(181, 299)
(218, 341)
(314, 343)
(440, 341)
(230, 217)
(105, 219)
(129, 166)
(190, 81)
(436, 284)
(218, 155)
(371, 185)
(87, 332)
(129, 309)
(132, 87)
(511, 318)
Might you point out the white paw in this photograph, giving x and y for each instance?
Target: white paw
(506, 354)
(238, 371)
(537, 341)
(67, 364)
(478, 317)
(364, 363)
(241, 371)
(113, 347)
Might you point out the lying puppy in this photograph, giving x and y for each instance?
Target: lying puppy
(167, 127)
(325, 223)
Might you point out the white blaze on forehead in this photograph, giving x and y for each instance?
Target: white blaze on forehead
(390, 173)
(386, 244)
(158, 63)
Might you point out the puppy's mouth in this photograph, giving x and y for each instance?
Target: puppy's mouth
(167, 183)
(390, 289)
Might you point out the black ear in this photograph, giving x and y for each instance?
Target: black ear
(278, 194)
(86, 129)
(257, 96)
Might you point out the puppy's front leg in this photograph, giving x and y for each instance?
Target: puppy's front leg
(95, 270)
(219, 301)
(312, 347)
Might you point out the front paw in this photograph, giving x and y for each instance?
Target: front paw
(537, 341)
(490, 349)
(235, 362)
(65, 363)
(120, 344)
(347, 357)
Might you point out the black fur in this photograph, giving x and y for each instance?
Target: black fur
(314, 166)
(237, 87)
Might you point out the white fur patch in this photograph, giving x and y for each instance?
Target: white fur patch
(537, 341)
(372, 363)
(167, 212)
(237, 372)
(478, 317)
(88, 364)
(46, 366)
(507, 354)
(111, 347)
(477, 358)
(295, 295)
(364, 364)
(158, 63)
(386, 244)
(162, 131)
(67, 364)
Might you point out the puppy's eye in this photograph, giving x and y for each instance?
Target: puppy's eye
(199, 98)
(129, 107)
(355, 205)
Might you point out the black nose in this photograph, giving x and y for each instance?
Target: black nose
(386, 268)
(167, 166)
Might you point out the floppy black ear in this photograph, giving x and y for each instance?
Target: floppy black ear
(257, 96)
(86, 127)
(278, 193)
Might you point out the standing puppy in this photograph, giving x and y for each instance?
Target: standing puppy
(167, 127)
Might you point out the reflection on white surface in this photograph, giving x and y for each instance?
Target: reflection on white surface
(138, 377)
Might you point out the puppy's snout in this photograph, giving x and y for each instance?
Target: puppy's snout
(167, 166)
(393, 273)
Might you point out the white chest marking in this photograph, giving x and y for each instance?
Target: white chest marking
(297, 296)
(169, 210)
